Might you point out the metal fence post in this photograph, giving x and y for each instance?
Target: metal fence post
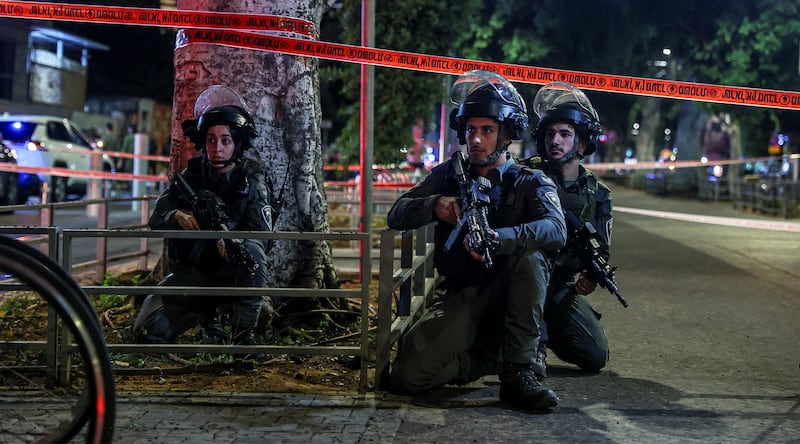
(102, 242)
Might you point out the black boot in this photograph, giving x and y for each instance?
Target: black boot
(212, 331)
(247, 337)
(520, 388)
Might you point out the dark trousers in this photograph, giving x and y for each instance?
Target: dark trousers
(572, 330)
(468, 333)
(163, 318)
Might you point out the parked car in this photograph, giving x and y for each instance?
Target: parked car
(44, 141)
(8, 179)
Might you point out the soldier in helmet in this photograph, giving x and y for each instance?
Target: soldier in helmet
(568, 130)
(484, 320)
(222, 131)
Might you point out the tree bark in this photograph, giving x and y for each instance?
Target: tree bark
(648, 138)
(282, 93)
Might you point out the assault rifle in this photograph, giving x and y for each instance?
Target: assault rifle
(588, 241)
(209, 210)
(474, 202)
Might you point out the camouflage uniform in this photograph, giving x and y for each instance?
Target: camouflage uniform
(572, 327)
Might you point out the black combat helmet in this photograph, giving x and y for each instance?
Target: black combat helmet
(487, 94)
(561, 102)
(220, 105)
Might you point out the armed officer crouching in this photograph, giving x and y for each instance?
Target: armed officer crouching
(568, 130)
(222, 131)
(484, 320)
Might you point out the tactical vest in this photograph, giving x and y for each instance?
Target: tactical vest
(584, 203)
(459, 267)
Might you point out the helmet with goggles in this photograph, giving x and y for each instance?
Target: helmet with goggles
(482, 93)
(561, 102)
(221, 105)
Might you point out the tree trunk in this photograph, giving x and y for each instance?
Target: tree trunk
(282, 93)
(648, 139)
(688, 136)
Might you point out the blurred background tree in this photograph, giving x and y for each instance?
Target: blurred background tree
(401, 96)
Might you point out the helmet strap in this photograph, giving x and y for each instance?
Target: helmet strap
(499, 150)
(223, 163)
(572, 154)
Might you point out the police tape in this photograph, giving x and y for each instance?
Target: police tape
(600, 166)
(93, 152)
(714, 220)
(673, 164)
(156, 17)
(125, 155)
(88, 174)
(524, 74)
(609, 166)
(223, 29)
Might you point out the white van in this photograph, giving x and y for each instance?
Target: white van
(44, 141)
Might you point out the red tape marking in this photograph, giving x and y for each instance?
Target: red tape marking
(156, 17)
(221, 29)
(66, 172)
(672, 164)
(110, 154)
(525, 74)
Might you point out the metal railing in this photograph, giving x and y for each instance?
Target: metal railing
(58, 362)
(99, 209)
(410, 287)
(362, 294)
(50, 346)
(768, 196)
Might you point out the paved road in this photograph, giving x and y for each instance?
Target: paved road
(121, 214)
(707, 352)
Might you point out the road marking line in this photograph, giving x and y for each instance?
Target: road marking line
(715, 220)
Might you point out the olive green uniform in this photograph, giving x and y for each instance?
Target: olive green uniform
(572, 328)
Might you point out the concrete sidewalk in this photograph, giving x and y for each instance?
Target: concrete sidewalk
(602, 408)
(726, 381)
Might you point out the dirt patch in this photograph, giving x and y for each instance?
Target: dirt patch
(281, 374)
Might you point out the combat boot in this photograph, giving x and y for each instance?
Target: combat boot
(212, 332)
(247, 337)
(520, 388)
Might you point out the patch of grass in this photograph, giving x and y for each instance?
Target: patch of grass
(210, 358)
(17, 306)
(104, 302)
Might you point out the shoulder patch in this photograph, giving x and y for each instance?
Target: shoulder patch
(544, 179)
(532, 162)
(552, 198)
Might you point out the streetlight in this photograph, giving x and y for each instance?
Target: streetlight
(667, 53)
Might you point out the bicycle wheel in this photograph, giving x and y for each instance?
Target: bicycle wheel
(94, 403)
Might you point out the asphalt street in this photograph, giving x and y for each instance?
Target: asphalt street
(707, 352)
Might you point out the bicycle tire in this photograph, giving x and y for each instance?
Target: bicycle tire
(97, 403)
